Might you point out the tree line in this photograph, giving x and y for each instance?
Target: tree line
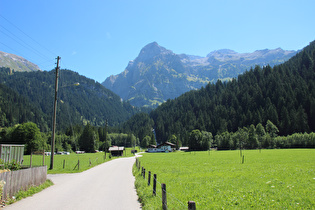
(86, 138)
(258, 137)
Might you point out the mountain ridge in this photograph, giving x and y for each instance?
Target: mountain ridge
(17, 63)
(158, 74)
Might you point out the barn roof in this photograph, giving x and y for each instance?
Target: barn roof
(167, 144)
(115, 148)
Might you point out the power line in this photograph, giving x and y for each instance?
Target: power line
(26, 44)
(14, 50)
(48, 66)
(23, 44)
(54, 54)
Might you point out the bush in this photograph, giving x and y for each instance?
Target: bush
(12, 166)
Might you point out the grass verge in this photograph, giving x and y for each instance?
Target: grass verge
(31, 191)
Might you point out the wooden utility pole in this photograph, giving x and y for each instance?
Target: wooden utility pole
(54, 119)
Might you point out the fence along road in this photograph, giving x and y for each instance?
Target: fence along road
(106, 186)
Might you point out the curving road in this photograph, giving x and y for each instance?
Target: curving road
(106, 186)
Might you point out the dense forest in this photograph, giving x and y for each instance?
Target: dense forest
(89, 102)
(284, 95)
(15, 109)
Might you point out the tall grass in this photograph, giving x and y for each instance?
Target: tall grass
(271, 179)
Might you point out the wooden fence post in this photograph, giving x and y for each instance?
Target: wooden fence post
(191, 205)
(149, 178)
(31, 159)
(164, 200)
(144, 173)
(64, 163)
(154, 184)
(78, 164)
(43, 157)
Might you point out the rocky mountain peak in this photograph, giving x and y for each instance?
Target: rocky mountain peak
(221, 52)
(151, 51)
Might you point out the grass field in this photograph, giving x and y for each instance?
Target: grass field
(71, 161)
(272, 179)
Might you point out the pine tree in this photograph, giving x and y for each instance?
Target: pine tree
(88, 139)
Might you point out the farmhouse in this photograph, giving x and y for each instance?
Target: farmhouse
(165, 147)
(152, 148)
(116, 151)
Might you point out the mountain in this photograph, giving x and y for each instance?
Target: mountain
(90, 102)
(16, 62)
(154, 73)
(283, 94)
(158, 74)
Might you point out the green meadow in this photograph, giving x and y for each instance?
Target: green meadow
(270, 179)
(68, 163)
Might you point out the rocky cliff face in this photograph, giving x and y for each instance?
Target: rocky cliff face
(16, 62)
(158, 74)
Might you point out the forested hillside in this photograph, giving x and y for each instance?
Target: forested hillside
(15, 109)
(284, 94)
(88, 102)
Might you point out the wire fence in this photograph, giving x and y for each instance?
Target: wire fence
(168, 200)
(66, 162)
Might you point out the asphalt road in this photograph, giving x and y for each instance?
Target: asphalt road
(107, 186)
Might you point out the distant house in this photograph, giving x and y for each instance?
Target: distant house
(151, 148)
(165, 147)
(116, 151)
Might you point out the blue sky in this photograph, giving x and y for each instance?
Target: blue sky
(97, 38)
